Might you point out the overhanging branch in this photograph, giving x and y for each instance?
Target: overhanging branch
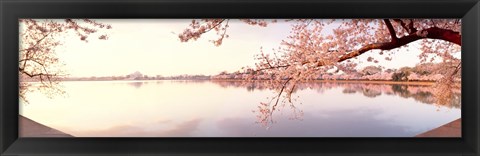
(391, 30)
(430, 33)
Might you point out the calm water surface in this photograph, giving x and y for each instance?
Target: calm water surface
(168, 108)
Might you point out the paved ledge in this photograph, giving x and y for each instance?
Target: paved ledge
(30, 128)
(452, 129)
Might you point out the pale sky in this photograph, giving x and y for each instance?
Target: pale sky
(152, 47)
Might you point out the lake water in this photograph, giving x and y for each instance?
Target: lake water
(167, 108)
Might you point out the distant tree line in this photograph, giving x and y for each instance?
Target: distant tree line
(420, 72)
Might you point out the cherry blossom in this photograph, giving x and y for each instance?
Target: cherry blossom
(309, 52)
(38, 60)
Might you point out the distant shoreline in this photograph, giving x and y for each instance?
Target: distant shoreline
(356, 81)
(381, 82)
(330, 81)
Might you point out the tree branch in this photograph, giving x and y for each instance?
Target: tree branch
(273, 67)
(457, 68)
(393, 34)
(216, 25)
(408, 27)
(432, 33)
(31, 75)
(444, 34)
(38, 42)
(404, 26)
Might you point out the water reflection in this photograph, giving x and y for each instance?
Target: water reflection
(184, 108)
(140, 83)
(189, 81)
(420, 93)
(155, 129)
(328, 125)
(136, 84)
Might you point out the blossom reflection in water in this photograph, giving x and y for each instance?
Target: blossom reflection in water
(177, 108)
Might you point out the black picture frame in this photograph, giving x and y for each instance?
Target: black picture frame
(12, 10)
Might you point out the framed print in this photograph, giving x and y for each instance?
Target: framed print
(239, 77)
(154, 86)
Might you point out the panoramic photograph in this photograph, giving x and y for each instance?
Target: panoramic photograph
(240, 78)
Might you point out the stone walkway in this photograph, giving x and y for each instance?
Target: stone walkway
(30, 128)
(452, 129)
